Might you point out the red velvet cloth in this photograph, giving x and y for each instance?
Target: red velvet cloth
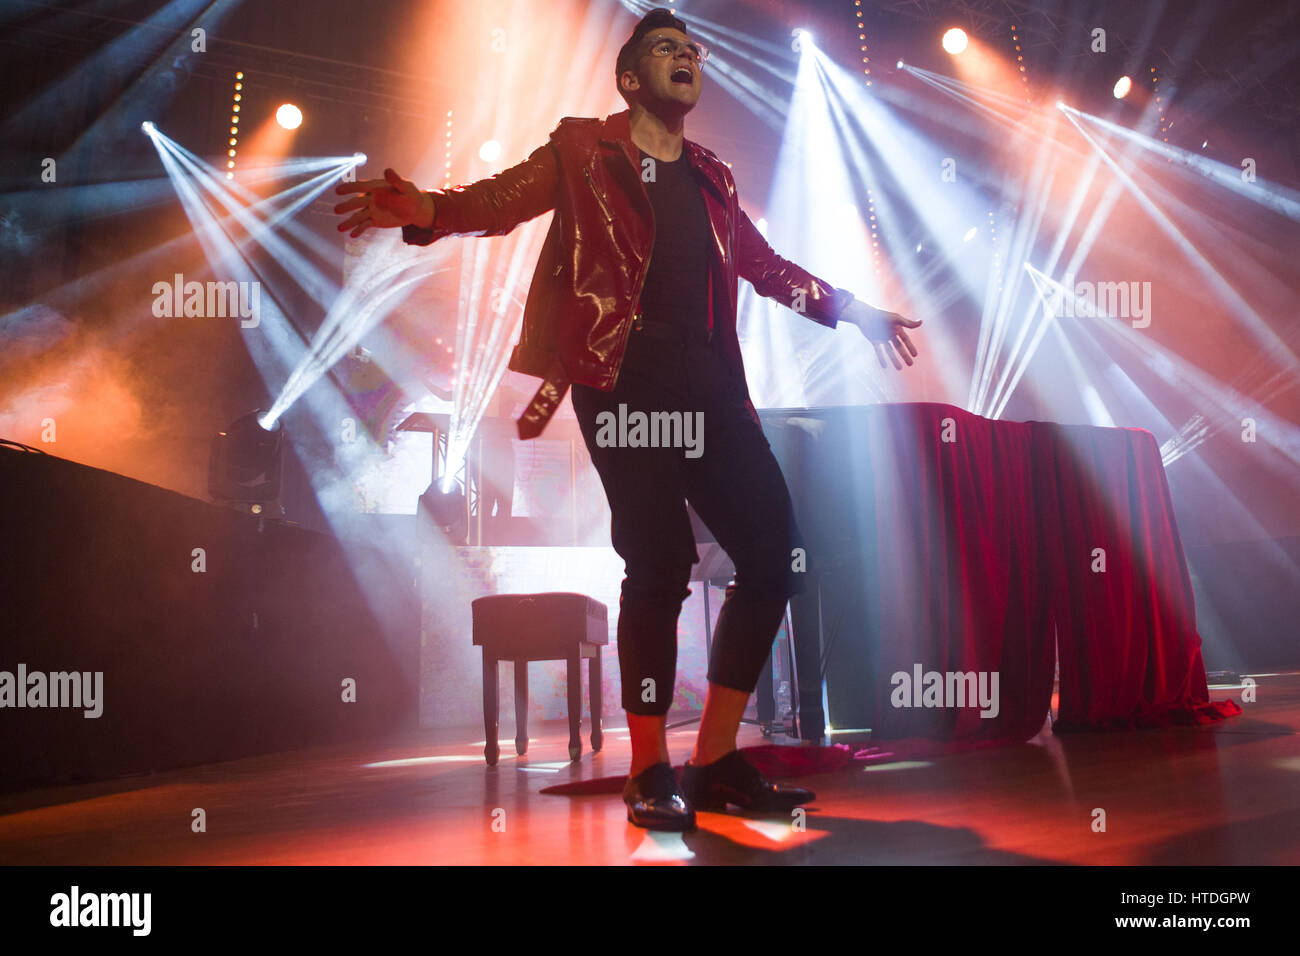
(959, 560)
(1121, 594)
(987, 534)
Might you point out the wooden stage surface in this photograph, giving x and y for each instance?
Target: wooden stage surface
(1223, 794)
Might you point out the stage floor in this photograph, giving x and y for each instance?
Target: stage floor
(1227, 793)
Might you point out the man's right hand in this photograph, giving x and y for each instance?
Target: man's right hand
(388, 203)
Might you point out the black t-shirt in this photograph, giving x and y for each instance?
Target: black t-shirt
(676, 288)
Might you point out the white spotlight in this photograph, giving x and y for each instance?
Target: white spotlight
(900, 64)
(490, 151)
(801, 36)
(954, 41)
(1122, 86)
(970, 234)
(147, 127)
(289, 116)
(359, 158)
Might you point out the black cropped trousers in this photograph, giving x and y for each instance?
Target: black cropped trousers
(727, 472)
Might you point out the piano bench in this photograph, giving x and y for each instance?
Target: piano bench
(540, 627)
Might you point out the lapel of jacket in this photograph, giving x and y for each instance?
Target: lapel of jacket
(616, 136)
(707, 170)
(705, 166)
(616, 133)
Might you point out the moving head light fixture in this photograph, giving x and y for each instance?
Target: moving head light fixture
(244, 469)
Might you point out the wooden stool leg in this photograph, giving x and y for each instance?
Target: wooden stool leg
(765, 698)
(491, 706)
(597, 700)
(575, 704)
(521, 707)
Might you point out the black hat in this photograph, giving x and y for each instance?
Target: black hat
(657, 19)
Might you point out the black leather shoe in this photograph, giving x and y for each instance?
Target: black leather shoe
(655, 801)
(733, 779)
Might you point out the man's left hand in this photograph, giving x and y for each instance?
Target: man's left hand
(887, 332)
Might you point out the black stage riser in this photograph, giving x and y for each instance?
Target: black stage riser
(97, 575)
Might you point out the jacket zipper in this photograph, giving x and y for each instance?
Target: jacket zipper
(636, 312)
(640, 287)
(596, 192)
(645, 271)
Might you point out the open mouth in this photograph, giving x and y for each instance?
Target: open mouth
(683, 75)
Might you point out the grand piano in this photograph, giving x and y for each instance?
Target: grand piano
(943, 542)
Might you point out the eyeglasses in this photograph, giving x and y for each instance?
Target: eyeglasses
(667, 46)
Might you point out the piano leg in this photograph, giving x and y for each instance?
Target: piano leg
(805, 620)
(765, 698)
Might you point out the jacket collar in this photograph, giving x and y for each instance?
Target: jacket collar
(617, 131)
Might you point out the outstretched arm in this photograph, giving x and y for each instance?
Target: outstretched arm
(780, 279)
(776, 278)
(489, 207)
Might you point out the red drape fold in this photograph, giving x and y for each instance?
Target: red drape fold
(1121, 593)
(959, 560)
(995, 543)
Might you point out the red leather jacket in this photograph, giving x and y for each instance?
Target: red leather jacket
(585, 291)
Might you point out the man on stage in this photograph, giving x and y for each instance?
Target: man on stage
(633, 304)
